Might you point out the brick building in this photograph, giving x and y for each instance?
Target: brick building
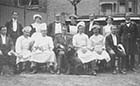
(48, 8)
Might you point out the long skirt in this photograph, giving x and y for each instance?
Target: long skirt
(23, 56)
(43, 57)
(87, 56)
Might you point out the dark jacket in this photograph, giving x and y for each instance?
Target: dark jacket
(11, 33)
(5, 48)
(109, 43)
(51, 29)
(129, 36)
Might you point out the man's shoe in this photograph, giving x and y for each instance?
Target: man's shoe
(34, 72)
(58, 72)
(94, 73)
(123, 72)
(114, 72)
(134, 69)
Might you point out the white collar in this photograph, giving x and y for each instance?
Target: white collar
(14, 20)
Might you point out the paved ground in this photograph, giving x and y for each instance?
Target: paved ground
(131, 79)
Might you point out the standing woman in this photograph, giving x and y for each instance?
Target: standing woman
(37, 23)
(107, 28)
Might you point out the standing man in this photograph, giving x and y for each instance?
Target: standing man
(14, 28)
(72, 27)
(129, 33)
(55, 27)
(89, 25)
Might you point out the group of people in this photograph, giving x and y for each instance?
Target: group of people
(62, 48)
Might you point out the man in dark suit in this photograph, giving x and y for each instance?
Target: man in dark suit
(14, 28)
(62, 42)
(55, 27)
(129, 33)
(6, 50)
(89, 25)
(116, 51)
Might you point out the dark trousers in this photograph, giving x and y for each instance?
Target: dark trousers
(23, 66)
(130, 61)
(9, 61)
(118, 60)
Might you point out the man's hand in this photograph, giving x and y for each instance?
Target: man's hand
(111, 52)
(10, 52)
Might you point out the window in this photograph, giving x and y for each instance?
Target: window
(28, 2)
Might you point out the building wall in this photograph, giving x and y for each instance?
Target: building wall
(5, 15)
(85, 7)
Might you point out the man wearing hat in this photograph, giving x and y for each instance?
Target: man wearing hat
(14, 28)
(62, 42)
(56, 26)
(116, 51)
(7, 57)
(23, 50)
(82, 45)
(129, 33)
(72, 27)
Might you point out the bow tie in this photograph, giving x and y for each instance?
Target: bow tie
(128, 22)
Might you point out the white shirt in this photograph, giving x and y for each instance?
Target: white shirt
(58, 28)
(128, 24)
(114, 39)
(91, 24)
(80, 40)
(107, 29)
(73, 29)
(97, 40)
(3, 39)
(14, 25)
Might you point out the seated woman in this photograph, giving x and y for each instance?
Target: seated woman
(81, 43)
(23, 49)
(42, 51)
(97, 45)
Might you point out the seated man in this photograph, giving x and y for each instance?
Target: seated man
(116, 51)
(81, 43)
(23, 50)
(97, 45)
(42, 52)
(7, 57)
(62, 42)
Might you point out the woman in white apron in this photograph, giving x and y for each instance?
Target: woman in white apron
(97, 45)
(43, 49)
(23, 48)
(81, 44)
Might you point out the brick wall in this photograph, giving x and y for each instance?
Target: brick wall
(85, 7)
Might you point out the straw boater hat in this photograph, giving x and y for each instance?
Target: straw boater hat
(37, 15)
(73, 15)
(81, 24)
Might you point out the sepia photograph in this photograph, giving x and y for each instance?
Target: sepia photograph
(69, 42)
